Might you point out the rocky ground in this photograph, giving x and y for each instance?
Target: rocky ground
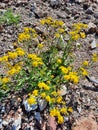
(83, 98)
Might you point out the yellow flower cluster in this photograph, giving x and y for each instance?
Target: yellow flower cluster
(36, 61)
(68, 75)
(28, 34)
(95, 57)
(52, 22)
(83, 71)
(4, 80)
(43, 85)
(55, 112)
(77, 33)
(14, 70)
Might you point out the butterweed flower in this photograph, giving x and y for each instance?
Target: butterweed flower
(5, 80)
(85, 63)
(31, 100)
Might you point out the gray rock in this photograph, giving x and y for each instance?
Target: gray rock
(21, 2)
(42, 104)
(89, 10)
(80, 1)
(29, 108)
(17, 123)
(93, 44)
(38, 116)
(96, 15)
(55, 3)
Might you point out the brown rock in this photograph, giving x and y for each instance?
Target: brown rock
(85, 123)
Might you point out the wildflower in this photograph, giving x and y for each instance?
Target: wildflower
(60, 30)
(70, 109)
(31, 100)
(54, 112)
(43, 95)
(84, 71)
(94, 57)
(35, 64)
(20, 52)
(85, 63)
(12, 55)
(63, 110)
(5, 80)
(59, 99)
(4, 58)
(59, 61)
(57, 35)
(76, 37)
(48, 98)
(60, 119)
(52, 76)
(40, 46)
(42, 21)
(64, 69)
(82, 34)
(35, 92)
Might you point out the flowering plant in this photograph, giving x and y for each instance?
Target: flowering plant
(42, 63)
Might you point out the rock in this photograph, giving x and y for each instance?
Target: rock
(38, 116)
(52, 123)
(79, 1)
(93, 44)
(42, 104)
(96, 15)
(17, 123)
(21, 2)
(55, 3)
(85, 6)
(85, 123)
(33, 7)
(29, 108)
(40, 14)
(61, 15)
(89, 10)
(63, 90)
(2, 5)
(91, 28)
(0, 123)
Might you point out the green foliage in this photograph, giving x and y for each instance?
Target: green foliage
(8, 18)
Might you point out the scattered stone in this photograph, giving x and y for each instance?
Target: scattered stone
(42, 104)
(29, 108)
(96, 15)
(38, 117)
(63, 90)
(21, 2)
(17, 122)
(91, 28)
(89, 11)
(93, 44)
(85, 123)
(55, 3)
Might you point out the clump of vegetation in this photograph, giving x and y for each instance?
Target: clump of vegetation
(9, 18)
(44, 67)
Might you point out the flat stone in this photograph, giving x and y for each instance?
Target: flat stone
(96, 15)
(85, 123)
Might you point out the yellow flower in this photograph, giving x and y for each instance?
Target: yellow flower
(59, 99)
(5, 80)
(12, 55)
(31, 100)
(85, 63)
(5, 58)
(57, 35)
(20, 52)
(95, 57)
(43, 95)
(35, 64)
(40, 46)
(63, 110)
(60, 119)
(35, 92)
(59, 61)
(64, 69)
(76, 37)
(84, 72)
(60, 30)
(70, 109)
(54, 112)
(82, 34)
(48, 98)
(52, 76)
(42, 21)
